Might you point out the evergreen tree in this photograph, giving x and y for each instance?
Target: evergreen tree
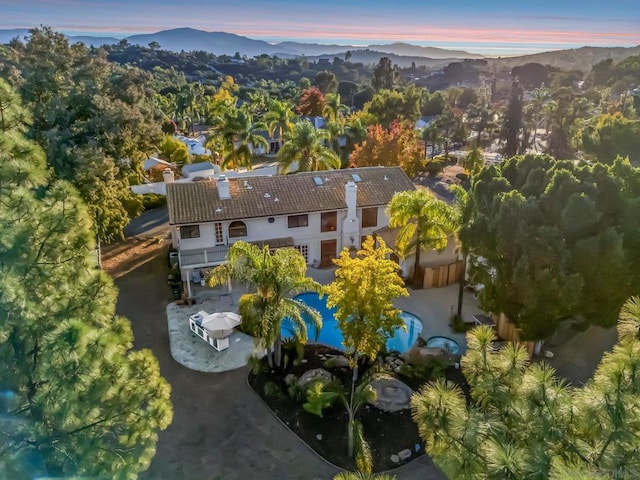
(82, 402)
(522, 422)
(512, 122)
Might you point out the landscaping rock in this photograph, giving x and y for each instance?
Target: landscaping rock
(319, 437)
(425, 355)
(315, 375)
(404, 454)
(392, 394)
(395, 458)
(339, 361)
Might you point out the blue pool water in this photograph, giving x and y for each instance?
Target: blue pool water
(331, 335)
(445, 343)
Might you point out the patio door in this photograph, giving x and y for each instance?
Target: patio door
(327, 252)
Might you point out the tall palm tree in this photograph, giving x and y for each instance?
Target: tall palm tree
(425, 223)
(333, 109)
(275, 278)
(280, 115)
(242, 133)
(304, 146)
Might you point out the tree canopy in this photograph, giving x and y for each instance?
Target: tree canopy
(363, 292)
(81, 401)
(524, 423)
(95, 120)
(556, 240)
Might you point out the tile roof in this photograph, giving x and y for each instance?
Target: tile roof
(251, 197)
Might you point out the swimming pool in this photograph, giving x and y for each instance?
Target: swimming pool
(331, 335)
(445, 343)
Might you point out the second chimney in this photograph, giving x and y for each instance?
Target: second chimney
(223, 188)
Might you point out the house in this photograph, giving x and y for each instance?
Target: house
(318, 213)
(199, 169)
(195, 145)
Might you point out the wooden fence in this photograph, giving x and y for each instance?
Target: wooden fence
(442, 276)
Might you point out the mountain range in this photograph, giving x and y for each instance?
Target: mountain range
(222, 43)
(403, 54)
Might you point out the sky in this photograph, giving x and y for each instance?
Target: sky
(491, 27)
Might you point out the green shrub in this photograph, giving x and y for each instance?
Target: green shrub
(151, 201)
(296, 392)
(459, 325)
(271, 390)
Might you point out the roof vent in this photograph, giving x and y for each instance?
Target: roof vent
(218, 210)
(386, 178)
(276, 199)
(267, 195)
(356, 177)
(318, 181)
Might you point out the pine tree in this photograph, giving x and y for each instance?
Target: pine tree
(80, 401)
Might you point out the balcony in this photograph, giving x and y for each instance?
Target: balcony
(203, 257)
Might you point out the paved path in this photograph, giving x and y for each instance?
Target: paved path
(220, 430)
(149, 224)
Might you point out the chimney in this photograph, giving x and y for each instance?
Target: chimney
(351, 199)
(223, 188)
(167, 175)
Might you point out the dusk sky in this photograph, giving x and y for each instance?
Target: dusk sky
(494, 27)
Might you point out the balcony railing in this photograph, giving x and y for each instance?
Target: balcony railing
(203, 257)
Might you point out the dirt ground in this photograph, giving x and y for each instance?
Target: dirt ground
(124, 257)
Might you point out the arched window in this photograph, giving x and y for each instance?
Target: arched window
(237, 229)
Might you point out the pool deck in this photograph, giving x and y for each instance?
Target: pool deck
(432, 306)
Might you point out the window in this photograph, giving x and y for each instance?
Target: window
(190, 231)
(237, 229)
(328, 222)
(296, 221)
(370, 217)
(219, 234)
(304, 250)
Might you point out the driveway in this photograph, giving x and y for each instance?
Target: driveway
(220, 429)
(149, 224)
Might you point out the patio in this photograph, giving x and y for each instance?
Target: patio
(433, 306)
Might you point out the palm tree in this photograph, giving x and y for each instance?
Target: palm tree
(304, 146)
(333, 109)
(241, 132)
(425, 223)
(280, 116)
(275, 277)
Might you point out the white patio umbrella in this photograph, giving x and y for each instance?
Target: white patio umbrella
(221, 324)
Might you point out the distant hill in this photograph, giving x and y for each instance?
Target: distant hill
(371, 57)
(403, 54)
(577, 58)
(7, 35)
(408, 50)
(218, 43)
(222, 43)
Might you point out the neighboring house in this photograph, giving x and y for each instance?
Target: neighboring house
(199, 170)
(195, 145)
(424, 122)
(317, 122)
(275, 142)
(152, 162)
(318, 213)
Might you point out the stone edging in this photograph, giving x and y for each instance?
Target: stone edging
(392, 471)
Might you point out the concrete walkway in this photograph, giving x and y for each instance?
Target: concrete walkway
(191, 351)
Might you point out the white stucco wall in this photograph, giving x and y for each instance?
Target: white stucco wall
(311, 236)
